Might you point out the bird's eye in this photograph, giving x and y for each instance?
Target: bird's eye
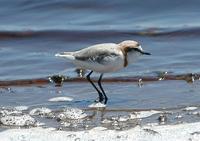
(137, 50)
(129, 49)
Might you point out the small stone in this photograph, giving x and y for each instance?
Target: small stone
(140, 83)
(162, 118)
(179, 116)
(57, 79)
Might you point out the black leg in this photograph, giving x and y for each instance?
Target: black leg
(100, 94)
(99, 83)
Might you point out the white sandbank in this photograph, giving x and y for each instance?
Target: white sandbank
(180, 132)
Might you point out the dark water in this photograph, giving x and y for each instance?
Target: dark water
(31, 32)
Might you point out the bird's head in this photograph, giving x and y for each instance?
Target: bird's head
(132, 50)
(130, 46)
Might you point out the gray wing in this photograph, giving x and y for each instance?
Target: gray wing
(97, 56)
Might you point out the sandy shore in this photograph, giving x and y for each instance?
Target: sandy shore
(180, 132)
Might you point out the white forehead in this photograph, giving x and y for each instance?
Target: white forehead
(129, 43)
(140, 47)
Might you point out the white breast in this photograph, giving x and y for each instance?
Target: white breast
(133, 56)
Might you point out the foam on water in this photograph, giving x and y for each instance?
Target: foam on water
(21, 108)
(72, 113)
(18, 120)
(60, 99)
(143, 114)
(9, 111)
(97, 105)
(40, 111)
(190, 108)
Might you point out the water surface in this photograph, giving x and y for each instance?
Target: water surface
(31, 32)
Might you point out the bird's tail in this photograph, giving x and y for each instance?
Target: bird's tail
(68, 55)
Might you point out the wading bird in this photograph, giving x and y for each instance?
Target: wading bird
(103, 58)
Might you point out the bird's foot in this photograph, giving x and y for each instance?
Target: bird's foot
(99, 99)
(105, 100)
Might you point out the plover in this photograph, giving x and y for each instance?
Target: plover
(103, 58)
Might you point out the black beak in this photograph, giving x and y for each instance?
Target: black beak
(141, 51)
(146, 53)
